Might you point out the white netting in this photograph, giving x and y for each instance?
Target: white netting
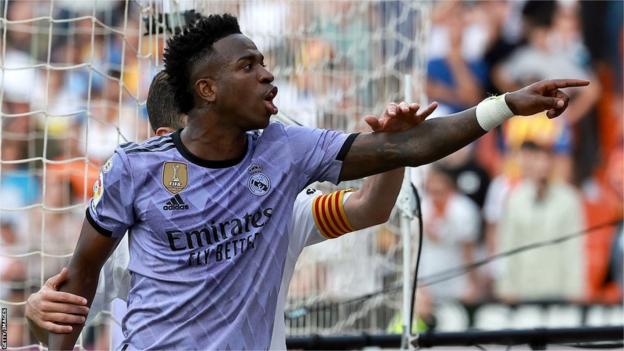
(73, 87)
(74, 83)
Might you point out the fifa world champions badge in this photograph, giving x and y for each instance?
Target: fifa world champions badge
(259, 184)
(175, 176)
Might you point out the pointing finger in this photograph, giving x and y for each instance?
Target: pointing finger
(566, 83)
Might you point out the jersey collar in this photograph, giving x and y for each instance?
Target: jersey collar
(200, 161)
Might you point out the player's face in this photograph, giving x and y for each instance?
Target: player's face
(243, 87)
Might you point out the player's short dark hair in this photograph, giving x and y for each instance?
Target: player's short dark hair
(539, 13)
(190, 47)
(162, 110)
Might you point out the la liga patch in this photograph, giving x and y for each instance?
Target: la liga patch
(98, 191)
(108, 165)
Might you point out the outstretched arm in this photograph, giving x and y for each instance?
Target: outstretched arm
(378, 152)
(83, 272)
(433, 139)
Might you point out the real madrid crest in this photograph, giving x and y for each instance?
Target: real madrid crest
(258, 183)
(175, 176)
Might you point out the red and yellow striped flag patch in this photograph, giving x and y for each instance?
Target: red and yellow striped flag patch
(329, 214)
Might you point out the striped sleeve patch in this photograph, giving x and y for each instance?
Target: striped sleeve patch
(329, 214)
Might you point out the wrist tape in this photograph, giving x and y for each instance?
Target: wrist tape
(492, 112)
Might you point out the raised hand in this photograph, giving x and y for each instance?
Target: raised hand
(52, 310)
(399, 117)
(542, 96)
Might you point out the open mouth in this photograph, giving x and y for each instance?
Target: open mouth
(268, 101)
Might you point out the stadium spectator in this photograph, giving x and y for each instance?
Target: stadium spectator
(451, 230)
(503, 22)
(495, 203)
(541, 59)
(469, 176)
(472, 180)
(456, 77)
(541, 208)
(615, 170)
(604, 203)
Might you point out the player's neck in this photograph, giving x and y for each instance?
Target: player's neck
(210, 140)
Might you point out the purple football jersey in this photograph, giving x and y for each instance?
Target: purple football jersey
(208, 239)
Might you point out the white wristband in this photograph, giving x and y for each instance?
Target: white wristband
(492, 112)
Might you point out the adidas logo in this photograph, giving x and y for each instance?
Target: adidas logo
(175, 203)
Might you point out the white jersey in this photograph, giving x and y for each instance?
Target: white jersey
(316, 217)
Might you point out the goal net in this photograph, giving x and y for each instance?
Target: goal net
(74, 80)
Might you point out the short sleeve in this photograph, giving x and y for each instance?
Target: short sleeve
(318, 153)
(304, 231)
(111, 210)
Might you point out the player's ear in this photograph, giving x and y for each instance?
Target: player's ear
(206, 89)
(164, 131)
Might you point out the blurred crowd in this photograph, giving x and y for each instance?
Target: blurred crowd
(533, 179)
(73, 90)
